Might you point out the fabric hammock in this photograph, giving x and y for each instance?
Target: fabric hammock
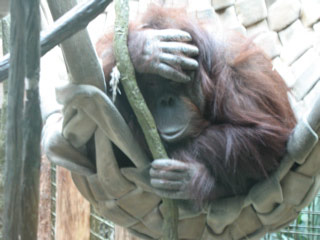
(124, 196)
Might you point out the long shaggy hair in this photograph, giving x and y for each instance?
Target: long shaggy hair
(241, 135)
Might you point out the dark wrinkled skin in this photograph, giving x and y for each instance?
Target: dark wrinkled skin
(164, 69)
(221, 110)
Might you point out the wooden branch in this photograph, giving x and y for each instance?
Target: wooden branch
(12, 188)
(78, 50)
(5, 27)
(140, 108)
(32, 125)
(69, 24)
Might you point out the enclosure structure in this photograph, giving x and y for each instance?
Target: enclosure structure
(265, 203)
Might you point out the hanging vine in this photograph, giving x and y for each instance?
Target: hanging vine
(140, 108)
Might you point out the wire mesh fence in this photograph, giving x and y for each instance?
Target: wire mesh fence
(305, 227)
(100, 228)
(53, 200)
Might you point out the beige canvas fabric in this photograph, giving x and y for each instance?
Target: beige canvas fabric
(125, 197)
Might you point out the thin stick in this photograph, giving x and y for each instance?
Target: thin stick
(140, 108)
(13, 163)
(66, 26)
(32, 125)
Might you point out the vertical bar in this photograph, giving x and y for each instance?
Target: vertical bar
(5, 27)
(44, 222)
(13, 164)
(312, 220)
(32, 124)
